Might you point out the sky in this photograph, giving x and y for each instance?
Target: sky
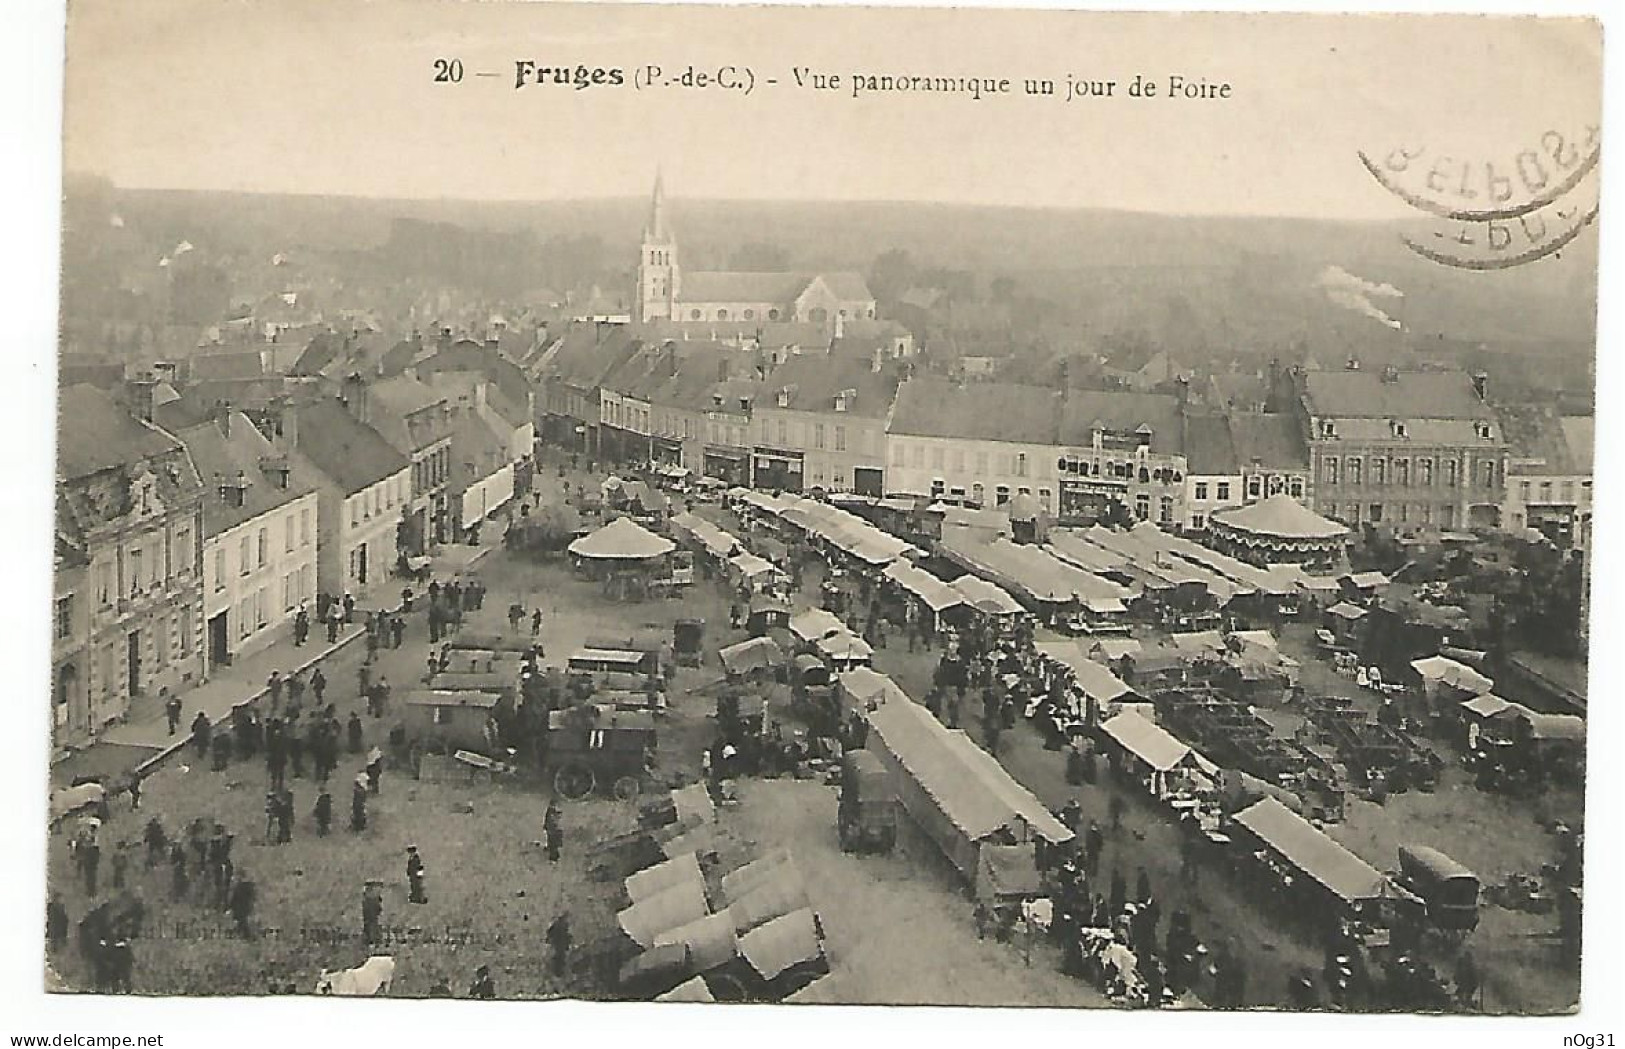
(337, 97)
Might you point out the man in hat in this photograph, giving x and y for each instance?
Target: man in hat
(353, 733)
(172, 709)
(358, 803)
(318, 685)
(414, 876)
(375, 769)
(323, 813)
(201, 730)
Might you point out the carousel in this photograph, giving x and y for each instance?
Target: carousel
(1280, 530)
(626, 556)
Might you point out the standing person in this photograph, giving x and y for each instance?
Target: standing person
(483, 986)
(349, 608)
(178, 881)
(559, 939)
(353, 733)
(273, 686)
(553, 831)
(323, 813)
(1117, 807)
(335, 616)
(318, 686)
(157, 842)
(536, 623)
(172, 710)
(358, 804)
(414, 876)
(296, 690)
(284, 818)
(372, 910)
(1093, 842)
(296, 749)
(382, 690)
(375, 770)
(397, 630)
(201, 729)
(242, 907)
(301, 625)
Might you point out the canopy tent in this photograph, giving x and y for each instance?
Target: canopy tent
(757, 653)
(1545, 726)
(1147, 741)
(1280, 529)
(1442, 670)
(843, 650)
(1096, 681)
(1280, 517)
(1366, 580)
(1200, 643)
(784, 942)
(1112, 649)
(1295, 839)
(1346, 611)
(985, 597)
(710, 940)
(1040, 575)
(866, 688)
(652, 881)
(716, 542)
(741, 880)
(623, 539)
(690, 990)
(1485, 706)
(750, 566)
(814, 624)
(937, 595)
(672, 907)
(780, 892)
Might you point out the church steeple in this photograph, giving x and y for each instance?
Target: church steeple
(658, 274)
(655, 230)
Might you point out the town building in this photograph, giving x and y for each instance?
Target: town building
(1084, 455)
(479, 375)
(1403, 451)
(260, 516)
(127, 619)
(363, 486)
(1213, 481)
(1272, 455)
(416, 420)
(819, 421)
(569, 373)
(1548, 484)
(666, 291)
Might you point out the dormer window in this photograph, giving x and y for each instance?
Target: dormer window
(1328, 429)
(784, 398)
(1483, 430)
(1399, 429)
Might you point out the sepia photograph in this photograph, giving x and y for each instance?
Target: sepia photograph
(821, 506)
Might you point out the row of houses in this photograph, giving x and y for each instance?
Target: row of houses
(191, 530)
(1404, 451)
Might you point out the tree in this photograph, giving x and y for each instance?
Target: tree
(891, 274)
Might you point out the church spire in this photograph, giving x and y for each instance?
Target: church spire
(656, 229)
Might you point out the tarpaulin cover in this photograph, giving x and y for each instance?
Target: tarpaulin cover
(736, 883)
(780, 892)
(710, 940)
(1446, 671)
(691, 990)
(1317, 855)
(754, 654)
(1147, 741)
(693, 804)
(676, 905)
(781, 943)
(815, 623)
(1096, 680)
(936, 594)
(651, 881)
(986, 597)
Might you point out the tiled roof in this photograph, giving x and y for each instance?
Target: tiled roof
(730, 286)
(1412, 395)
(1123, 412)
(218, 457)
(846, 285)
(95, 433)
(353, 455)
(1274, 439)
(932, 407)
(238, 364)
(1209, 449)
(813, 380)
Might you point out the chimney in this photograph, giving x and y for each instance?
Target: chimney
(222, 418)
(443, 341)
(1353, 364)
(138, 393)
(1481, 385)
(354, 396)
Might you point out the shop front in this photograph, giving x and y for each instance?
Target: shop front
(1088, 501)
(666, 451)
(727, 464)
(777, 470)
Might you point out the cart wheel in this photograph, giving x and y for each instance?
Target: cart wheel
(627, 787)
(574, 782)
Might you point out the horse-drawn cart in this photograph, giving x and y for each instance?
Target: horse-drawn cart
(598, 748)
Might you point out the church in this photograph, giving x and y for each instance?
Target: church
(667, 292)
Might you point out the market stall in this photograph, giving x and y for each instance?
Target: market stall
(1280, 530)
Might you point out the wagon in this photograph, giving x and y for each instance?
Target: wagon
(1449, 889)
(688, 642)
(596, 748)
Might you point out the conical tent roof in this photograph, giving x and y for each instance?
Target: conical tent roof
(1281, 516)
(623, 539)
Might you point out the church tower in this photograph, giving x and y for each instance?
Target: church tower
(658, 274)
